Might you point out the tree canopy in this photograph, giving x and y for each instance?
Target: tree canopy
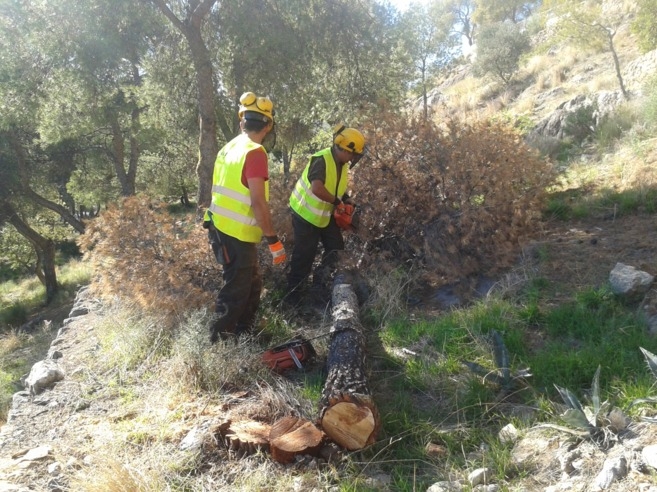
(99, 103)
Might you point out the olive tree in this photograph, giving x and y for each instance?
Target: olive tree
(499, 48)
(590, 24)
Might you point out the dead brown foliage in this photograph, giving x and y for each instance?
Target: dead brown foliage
(140, 252)
(456, 200)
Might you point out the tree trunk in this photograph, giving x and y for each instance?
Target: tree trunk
(32, 195)
(348, 414)
(208, 147)
(619, 76)
(63, 212)
(44, 247)
(190, 27)
(118, 158)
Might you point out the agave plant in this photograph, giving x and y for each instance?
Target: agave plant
(600, 422)
(502, 377)
(651, 360)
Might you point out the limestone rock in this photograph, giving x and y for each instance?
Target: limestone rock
(43, 375)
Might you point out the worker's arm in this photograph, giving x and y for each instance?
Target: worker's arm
(317, 177)
(263, 217)
(260, 206)
(320, 191)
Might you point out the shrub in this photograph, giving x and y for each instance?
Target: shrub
(649, 108)
(600, 422)
(551, 147)
(613, 126)
(644, 25)
(580, 124)
(455, 200)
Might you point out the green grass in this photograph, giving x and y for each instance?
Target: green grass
(19, 300)
(606, 201)
(18, 353)
(425, 394)
(434, 390)
(312, 386)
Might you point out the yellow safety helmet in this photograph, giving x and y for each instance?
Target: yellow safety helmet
(349, 139)
(251, 106)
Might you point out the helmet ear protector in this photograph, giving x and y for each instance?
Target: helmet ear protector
(256, 108)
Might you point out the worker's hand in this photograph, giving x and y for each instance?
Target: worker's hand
(276, 249)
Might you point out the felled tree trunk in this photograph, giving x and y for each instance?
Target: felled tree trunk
(348, 414)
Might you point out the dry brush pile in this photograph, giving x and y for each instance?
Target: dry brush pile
(456, 200)
(142, 253)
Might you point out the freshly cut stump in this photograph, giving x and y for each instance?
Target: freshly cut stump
(246, 437)
(348, 414)
(292, 436)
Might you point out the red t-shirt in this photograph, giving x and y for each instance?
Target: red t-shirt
(255, 166)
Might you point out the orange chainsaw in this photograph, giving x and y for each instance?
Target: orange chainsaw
(345, 217)
(289, 355)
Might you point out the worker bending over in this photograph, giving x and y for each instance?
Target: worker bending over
(319, 192)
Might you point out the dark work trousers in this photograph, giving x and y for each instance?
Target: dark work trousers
(306, 240)
(239, 298)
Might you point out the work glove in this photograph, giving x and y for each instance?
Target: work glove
(276, 249)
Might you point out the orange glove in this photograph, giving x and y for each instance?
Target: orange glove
(277, 252)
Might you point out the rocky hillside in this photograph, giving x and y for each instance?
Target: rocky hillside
(79, 430)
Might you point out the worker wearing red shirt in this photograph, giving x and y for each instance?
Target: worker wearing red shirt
(239, 216)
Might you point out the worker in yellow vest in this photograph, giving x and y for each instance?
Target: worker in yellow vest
(239, 216)
(321, 190)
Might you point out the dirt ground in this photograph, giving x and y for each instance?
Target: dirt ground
(575, 255)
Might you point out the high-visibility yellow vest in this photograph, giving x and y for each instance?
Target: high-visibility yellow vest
(231, 207)
(305, 203)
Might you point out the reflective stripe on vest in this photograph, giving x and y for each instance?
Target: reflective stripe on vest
(231, 207)
(305, 203)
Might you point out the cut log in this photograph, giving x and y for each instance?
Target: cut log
(292, 436)
(348, 414)
(246, 437)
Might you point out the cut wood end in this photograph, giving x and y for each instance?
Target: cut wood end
(285, 425)
(247, 437)
(349, 425)
(305, 437)
(302, 439)
(220, 427)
